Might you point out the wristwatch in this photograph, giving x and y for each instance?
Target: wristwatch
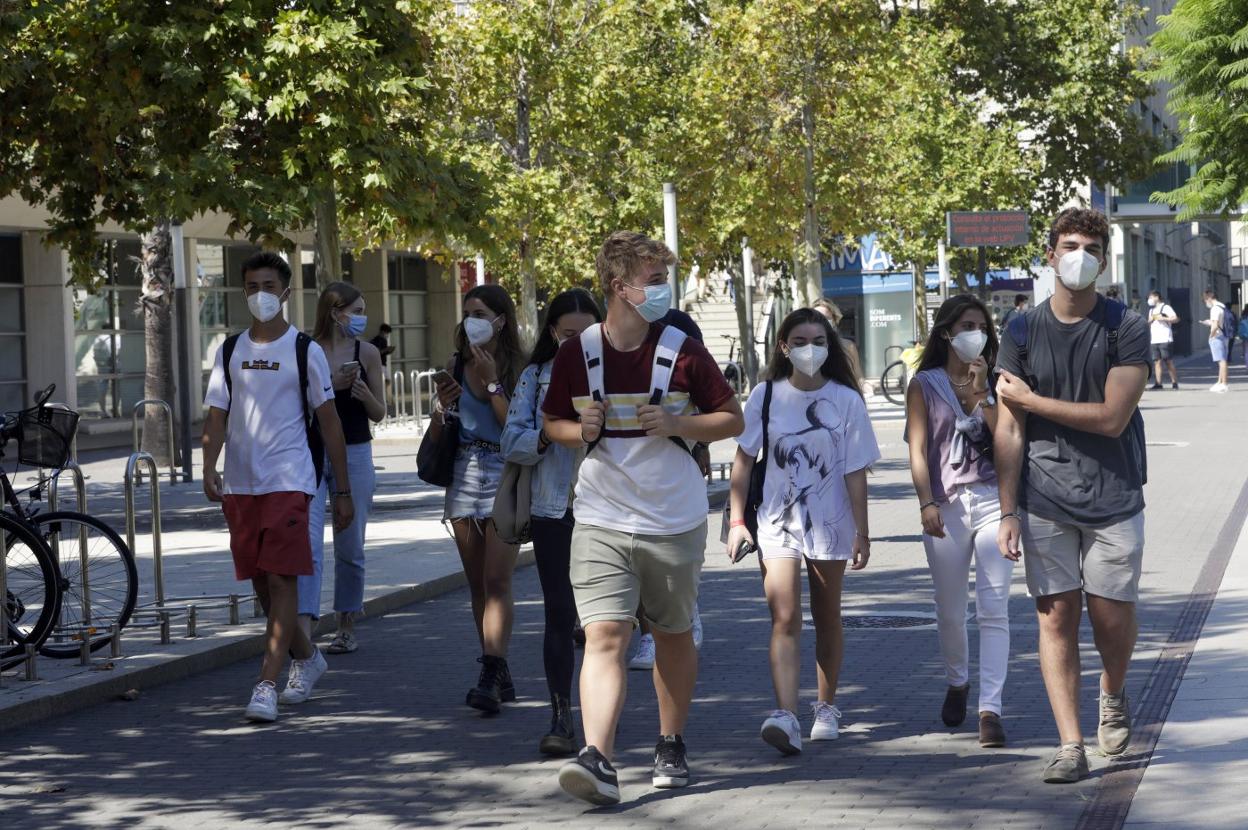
(494, 388)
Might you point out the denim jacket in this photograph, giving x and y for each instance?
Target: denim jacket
(556, 467)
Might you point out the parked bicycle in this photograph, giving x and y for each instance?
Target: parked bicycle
(896, 377)
(67, 577)
(732, 369)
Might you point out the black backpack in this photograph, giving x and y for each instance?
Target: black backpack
(1110, 313)
(316, 446)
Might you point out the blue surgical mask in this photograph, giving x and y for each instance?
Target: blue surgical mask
(657, 303)
(354, 325)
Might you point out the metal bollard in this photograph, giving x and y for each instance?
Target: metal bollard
(191, 614)
(234, 620)
(84, 651)
(114, 643)
(141, 406)
(165, 638)
(32, 673)
(400, 393)
(131, 477)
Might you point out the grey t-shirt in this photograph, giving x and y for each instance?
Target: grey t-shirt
(1069, 475)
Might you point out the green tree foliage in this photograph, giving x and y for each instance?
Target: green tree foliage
(126, 111)
(1202, 50)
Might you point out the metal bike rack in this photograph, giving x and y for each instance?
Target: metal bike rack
(400, 392)
(80, 492)
(137, 458)
(724, 468)
(80, 487)
(419, 397)
(141, 406)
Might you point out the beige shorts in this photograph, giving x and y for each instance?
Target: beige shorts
(1102, 561)
(614, 571)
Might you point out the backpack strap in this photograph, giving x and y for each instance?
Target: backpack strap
(591, 348)
(316, 445)
(1112, 313)
(665, 353)
(227, 356)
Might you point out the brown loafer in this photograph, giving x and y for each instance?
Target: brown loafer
(991, 733)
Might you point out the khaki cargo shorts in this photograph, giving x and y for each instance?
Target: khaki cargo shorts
(614, 571)
(1102, 561)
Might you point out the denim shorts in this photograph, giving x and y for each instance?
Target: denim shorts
(478, 469)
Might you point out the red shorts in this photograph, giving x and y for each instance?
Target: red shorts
(269, 534)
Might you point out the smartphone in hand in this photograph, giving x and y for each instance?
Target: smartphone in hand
(350, 367)
(743, 550)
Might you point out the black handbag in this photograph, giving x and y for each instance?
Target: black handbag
(758, 477)
(435, 460)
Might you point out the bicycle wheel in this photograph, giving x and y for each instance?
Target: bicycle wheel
(32, 596)
(893, 382)
(89, 607)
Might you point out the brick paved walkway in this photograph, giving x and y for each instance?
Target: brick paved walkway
(387, 740)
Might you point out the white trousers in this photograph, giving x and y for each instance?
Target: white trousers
(971, 518)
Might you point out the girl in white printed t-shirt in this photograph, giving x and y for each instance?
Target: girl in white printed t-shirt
(813, 507)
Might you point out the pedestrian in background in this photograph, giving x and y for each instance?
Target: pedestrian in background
(488, 357)
(524, 441)
(641, 504)
(1020, 306)
(813, 509)
(1161, 320)
(360, 401)
(1221, 328)
(1071, 468)
(258, 405)
(950, 418)
(834, 315)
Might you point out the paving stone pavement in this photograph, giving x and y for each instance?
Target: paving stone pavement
(387, 742)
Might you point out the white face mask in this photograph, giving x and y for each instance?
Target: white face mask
(1078, 269)
(264, 306)
(808, 359)
(479, 331)
(969, 344)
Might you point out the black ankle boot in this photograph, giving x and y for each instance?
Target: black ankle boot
(561, 739)
(486, 695)
(506, 689)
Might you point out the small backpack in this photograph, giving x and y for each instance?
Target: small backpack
(670, 341)
(1110, 314)
(316, 446)
(1229, 324)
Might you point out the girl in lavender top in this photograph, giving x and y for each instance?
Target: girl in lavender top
(950, 416)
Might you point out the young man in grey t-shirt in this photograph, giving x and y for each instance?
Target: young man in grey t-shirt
(1072, 371)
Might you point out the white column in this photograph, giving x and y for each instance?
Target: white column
(49, 323)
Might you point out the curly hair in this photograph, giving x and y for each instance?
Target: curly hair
(1084, 221)
(623, 252)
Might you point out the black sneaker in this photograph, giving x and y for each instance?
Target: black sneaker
(1155, 386)
(590, 778)
(953, 712)
(1174, 386)
(671, 768)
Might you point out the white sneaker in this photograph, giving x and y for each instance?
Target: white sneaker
(782, 731)
(643, 657)
(697, 627)
(303, 676)
(263, 706)
(1221, 388)
(827, 722)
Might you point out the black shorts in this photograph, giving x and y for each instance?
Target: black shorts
(1162, 351)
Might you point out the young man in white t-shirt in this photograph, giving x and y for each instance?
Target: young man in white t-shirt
(256, 409)
(1161, 320)
(1219, 343)
(641, 505)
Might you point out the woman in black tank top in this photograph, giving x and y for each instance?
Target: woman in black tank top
(359, 397)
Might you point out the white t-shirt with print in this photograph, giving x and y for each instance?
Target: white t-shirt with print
(266, 444)
(817, 438)
(1161, 331)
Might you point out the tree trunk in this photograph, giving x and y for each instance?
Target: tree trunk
(327, 258)
(811, 279)
(524, 161)
(156, 305)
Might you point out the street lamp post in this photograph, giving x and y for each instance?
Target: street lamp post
(670, 236)
(183, 310)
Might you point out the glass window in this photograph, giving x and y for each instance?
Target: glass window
(12, 396)
(11, 260)
(10, 309)
(12, 357)
(310, 299)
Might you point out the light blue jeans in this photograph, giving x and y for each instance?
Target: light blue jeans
(348, 544)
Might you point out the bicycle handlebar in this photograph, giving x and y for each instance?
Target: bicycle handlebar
(44, 396)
